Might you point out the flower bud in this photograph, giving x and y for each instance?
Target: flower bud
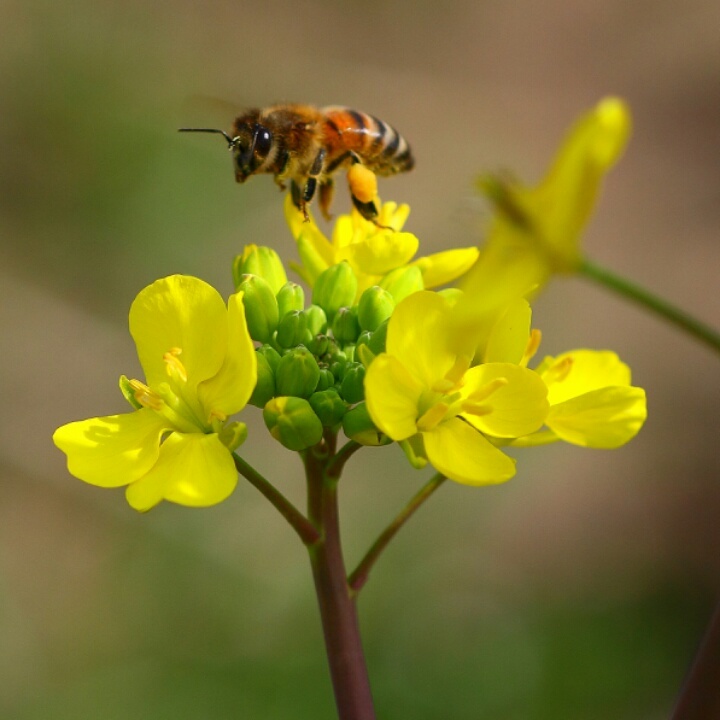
(352, 388)
(316, 320)
(271, 355)
(297, 373)
(233, 435)
(358, 426)
(336, 287)
(261, 309)
(376, 305)
(345, 325)
(378, 339)
(292, 422)
(328, 406)
(326, 380)
(265, 385)
(291, 329)
(261, 261)
(290, 297)
(318, 345)
(403, 281)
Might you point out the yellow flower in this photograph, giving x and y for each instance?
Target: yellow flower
(372, 250)
(200, 368)
(592, 403)
(536, 230)
(422, 392)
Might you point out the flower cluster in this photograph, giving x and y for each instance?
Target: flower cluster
(373, 351)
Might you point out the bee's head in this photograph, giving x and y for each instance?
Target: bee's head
(250, 146)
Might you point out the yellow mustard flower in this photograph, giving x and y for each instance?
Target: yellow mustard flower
(592, 403)
(537, 230)
(200, 368)
(372, 250)
(423, 390)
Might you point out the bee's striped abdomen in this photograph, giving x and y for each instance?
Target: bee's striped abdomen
(380, 147)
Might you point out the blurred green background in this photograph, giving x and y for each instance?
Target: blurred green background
(578, 590)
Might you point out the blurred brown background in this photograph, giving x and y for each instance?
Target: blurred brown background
(577, 590)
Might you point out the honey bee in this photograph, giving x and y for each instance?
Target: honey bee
(306, 145)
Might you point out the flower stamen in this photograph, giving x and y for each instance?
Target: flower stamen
(175, 369)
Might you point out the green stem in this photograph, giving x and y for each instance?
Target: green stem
(337, 462)
(658, 305)
(359, 576)
(308, 533)
(338, 612)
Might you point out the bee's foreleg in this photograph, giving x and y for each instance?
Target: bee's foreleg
(283, 164)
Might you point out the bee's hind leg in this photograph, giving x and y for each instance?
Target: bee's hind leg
(327, 189)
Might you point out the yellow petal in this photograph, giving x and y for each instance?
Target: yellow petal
(592, 147)
(590, 370)
(461, 453)
(315, 253)
(418, 336)
(605, 418)
(229, 391)
(508, 337)
(114, 450)
(444, 267)
(194, 470)
(392, 396)
(383, 251)
(517, 408)
(179, 312)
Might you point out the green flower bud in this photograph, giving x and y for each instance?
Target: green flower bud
(326, 380)
(328, 406)
(233, 435)
(292, 422)
(316, 320)
(263, 262)
(291, 330)
(290, 297)
(358, 426)
(376, 305)
(336, 287)
(265, 385)
(271, 355)
(337, 368)
(363, 339)
(352, 388)
(377, 341)
(345, 325)
(403, 281)
(318, 345)
(261, 309)
(297, 373)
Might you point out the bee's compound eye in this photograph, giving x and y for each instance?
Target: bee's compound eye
(263, 142)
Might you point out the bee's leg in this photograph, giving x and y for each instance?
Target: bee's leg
(363, 190)
(326, 196)
(367, 209)
(297, 197)
(311, 183)
(283, 164)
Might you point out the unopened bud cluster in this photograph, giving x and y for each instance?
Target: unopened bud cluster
(311, 359)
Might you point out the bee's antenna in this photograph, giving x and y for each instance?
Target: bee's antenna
(230, 141)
